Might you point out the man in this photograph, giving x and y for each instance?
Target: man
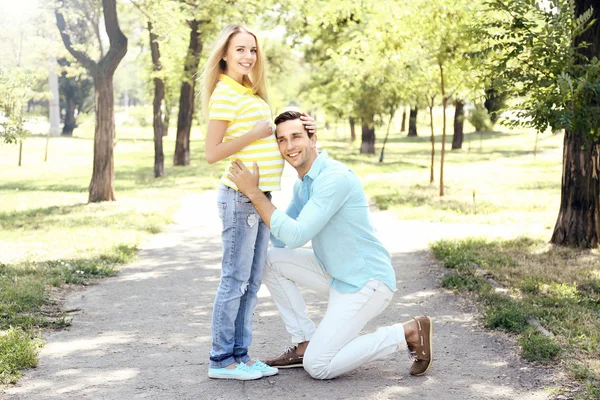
(348, 262)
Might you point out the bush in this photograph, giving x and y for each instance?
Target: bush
(17, 351)
(479, 118)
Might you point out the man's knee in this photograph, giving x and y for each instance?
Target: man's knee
(274, 255)
(316, 368)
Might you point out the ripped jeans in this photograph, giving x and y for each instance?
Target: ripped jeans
(245, 240)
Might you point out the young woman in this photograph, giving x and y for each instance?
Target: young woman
(234, 100)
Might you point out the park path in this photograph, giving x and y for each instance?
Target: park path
(145, 334)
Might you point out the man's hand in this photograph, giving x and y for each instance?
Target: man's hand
(246, 181)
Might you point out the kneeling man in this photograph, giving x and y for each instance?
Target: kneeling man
(347, 262)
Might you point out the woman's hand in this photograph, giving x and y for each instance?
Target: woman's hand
(262, 129)
(309, 123)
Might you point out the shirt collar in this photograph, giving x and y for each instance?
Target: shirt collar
(241, 89)
(318, 165)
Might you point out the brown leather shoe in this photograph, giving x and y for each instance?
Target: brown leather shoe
(422, 351)
(289, 359)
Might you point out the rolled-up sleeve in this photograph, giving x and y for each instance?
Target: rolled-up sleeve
(328, 194)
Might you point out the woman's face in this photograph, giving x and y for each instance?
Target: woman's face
(240, 56)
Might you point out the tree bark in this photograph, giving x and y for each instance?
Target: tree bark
(459, 123)
(432, 140)
(101, 185)
(159, 95)
(103, 174)
(403, 124)
(578, 222)
(70, 122)
(352, 129)
(367, 145)
(412, 122)
(443, 152)
(187, 96)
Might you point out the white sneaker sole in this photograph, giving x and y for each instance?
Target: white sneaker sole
(234, 377)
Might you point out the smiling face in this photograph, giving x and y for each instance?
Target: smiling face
(295, 146)
(240, 55)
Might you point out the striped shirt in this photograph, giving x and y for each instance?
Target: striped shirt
(238, 105)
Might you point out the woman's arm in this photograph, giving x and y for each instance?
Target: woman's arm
(216, 150)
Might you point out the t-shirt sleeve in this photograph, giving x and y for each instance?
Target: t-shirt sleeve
(221, 106)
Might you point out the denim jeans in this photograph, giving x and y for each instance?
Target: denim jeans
(245, 239)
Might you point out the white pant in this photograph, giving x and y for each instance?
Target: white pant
(335, 347)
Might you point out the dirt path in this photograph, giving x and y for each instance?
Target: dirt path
(145, 334)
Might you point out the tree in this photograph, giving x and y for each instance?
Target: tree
(15, 91)
(75, 90)
(102, 71)
(548, 53)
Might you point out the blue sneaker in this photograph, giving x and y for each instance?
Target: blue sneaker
(241, 372)
(263, 368)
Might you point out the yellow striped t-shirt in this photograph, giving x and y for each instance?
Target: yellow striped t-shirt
(238, 105)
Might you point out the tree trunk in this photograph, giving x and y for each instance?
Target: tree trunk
(387, 134)
(103, 174)
(403, 124)
(431, 171)
(367, 145)
(443, 152)
(352, 130)
(187, 97)
(459, 123)
(70, 122)
(159, 95)
(578, 222)
(412, 122)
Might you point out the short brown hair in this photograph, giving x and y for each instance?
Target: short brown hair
(289, 116)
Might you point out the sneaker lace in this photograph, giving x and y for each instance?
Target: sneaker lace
(243, 367)
(260, 364)
(289, 349)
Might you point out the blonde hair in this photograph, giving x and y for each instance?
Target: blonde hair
(215, 66)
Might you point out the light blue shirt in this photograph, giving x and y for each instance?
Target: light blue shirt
(330, 208)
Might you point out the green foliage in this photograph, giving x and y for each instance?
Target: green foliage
(479, 117)
(15, 91)
(538, 56)
(17, 351)
(538, 347)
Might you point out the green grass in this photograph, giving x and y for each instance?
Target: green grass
(17, 351)
(559, 287)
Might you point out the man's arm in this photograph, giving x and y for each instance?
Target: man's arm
(247, 183)
(331, 193)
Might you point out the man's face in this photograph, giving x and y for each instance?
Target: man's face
(295, 146)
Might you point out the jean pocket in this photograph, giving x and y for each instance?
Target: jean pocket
(222, 208)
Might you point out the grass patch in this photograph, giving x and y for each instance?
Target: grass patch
(504, 313)
(18, 350)
(539, 348)
(463, 282)
(559, 287)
